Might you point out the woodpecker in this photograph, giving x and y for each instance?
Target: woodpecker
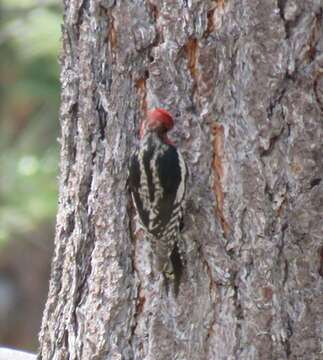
(157, 181)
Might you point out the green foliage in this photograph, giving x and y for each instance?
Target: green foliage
(29, 101)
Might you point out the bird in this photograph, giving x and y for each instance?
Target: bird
(158, 176)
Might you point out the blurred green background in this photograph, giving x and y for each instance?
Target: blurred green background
(30, 32)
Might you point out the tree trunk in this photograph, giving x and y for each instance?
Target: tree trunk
(244, 80)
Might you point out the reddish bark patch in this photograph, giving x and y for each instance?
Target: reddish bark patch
(219, 4)
(142, 92)
(191, 48)
(140, 304)
(218, 135)
(210, 23)
(112, 34)
(267, 293)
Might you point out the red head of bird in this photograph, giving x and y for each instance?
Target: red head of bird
(159, 121)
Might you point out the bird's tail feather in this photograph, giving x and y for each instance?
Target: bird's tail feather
(174, 270)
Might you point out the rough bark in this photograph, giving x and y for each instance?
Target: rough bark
(244, 79)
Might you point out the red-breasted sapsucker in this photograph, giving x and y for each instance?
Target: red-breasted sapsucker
(157, 180)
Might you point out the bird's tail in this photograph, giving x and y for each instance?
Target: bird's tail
(174, 270)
